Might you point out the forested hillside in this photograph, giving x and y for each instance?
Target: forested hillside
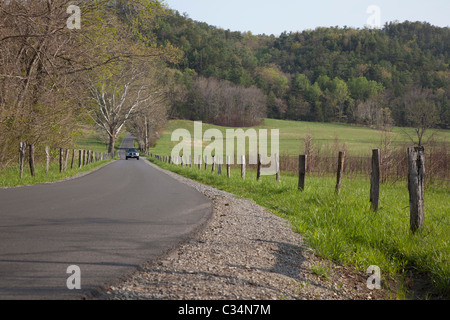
(374, 77)
(134, 63)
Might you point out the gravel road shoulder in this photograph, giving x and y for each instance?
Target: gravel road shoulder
(243, 253)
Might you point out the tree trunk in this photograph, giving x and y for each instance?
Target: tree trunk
(112, 142)
(146, 142)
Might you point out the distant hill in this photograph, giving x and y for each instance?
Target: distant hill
(327, 74)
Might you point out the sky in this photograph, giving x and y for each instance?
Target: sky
(277, 16)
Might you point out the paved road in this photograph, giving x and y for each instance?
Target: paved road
(107, 223)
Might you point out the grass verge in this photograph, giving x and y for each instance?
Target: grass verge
(88, 139)
(345, 230)
(10, 176)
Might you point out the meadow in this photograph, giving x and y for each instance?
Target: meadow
(343, 228)
(358, 140)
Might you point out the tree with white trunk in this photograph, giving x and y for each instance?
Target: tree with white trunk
(117, 96)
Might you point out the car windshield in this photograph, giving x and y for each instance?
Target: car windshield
(132, 150)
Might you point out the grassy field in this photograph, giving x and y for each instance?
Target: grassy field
(343, 228)
(358, 140)
(91, 139)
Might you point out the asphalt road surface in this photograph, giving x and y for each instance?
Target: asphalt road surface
(107, 223)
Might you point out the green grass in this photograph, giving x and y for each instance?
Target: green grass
(358, 140)
(88, 139)
(344, 229)
(9, 177)
(91, 139)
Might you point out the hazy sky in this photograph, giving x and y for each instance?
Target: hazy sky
(276, 16)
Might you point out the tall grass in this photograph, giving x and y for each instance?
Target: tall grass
(344, 229)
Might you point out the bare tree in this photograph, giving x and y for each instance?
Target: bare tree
(117, 96)
(421, 113)
(224, 103)
(148, 122)
(41, 60)
(152, 116)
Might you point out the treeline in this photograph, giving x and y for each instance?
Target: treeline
(327, 74)
(133, 63)
(216, 101)
(53, 77)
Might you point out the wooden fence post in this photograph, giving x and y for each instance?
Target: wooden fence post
(66, 156)
(206, 162)
(199, 159)
(61, 155)
(416, 178)
(80, 160)
(31, 146)
(277, 167)
(340, 171)
(243, 167)
(258, 172)
(219, 166)
(22, 149)
(213, 164)
(302, 159)
(47, 157)
(375, 180)
(228, 167)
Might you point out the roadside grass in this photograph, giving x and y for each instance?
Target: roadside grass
(9, 177)
(88, 139)
(344, 229)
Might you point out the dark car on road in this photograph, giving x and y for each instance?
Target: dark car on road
(132, 154)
